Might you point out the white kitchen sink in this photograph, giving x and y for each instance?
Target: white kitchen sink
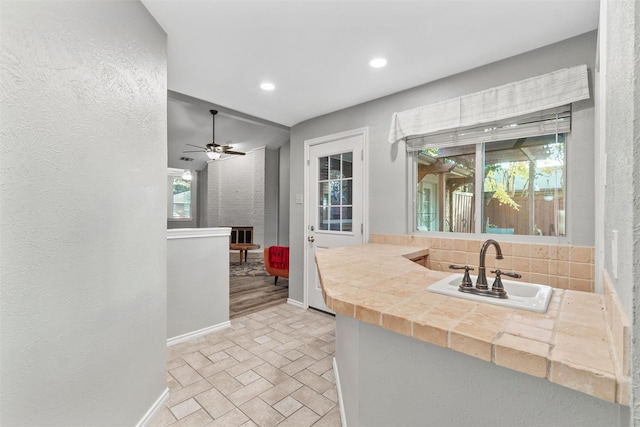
(521, 295)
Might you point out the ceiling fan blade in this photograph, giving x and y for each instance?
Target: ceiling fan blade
(197, 146)
(237, 153)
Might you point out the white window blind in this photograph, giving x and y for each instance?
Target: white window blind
(548, 122)
(494, 105)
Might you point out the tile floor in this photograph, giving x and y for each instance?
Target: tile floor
(273, 367)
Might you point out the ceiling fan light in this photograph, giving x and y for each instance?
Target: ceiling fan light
(213, 155)
(378, 62)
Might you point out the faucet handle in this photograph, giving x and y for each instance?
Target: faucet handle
(512, 274)
(460, 267)
(466, 279)
(497, 288)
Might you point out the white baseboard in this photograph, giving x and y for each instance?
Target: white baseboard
(296, 303)
(195, 334)
(157, 406)
(343, 418)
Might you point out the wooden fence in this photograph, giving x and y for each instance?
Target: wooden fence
(462, 212)
(504, 216)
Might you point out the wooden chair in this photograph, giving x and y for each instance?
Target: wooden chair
(241, 239)
(273, 271)
(241, 235)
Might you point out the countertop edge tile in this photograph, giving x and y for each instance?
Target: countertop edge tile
(602, 385)
(392, 263)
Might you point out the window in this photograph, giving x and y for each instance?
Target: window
(524, 186)
(335, 193)
(446, 180)
(504, 179)
(179, 194)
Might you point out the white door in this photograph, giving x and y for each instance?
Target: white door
(335, 177)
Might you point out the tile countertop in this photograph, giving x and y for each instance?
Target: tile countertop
(568, 345)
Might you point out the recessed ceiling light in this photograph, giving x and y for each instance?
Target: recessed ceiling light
(378, 62)
(267, 86)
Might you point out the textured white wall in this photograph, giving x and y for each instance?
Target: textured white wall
(619, 144)
(83, 228)
(620, 24)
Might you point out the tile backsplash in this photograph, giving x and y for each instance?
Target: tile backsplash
(560, 266)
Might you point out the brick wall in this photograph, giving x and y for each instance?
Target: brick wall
(236, 191)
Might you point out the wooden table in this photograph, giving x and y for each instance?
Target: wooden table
(243, 247)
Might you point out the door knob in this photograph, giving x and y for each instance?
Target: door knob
(311, 239)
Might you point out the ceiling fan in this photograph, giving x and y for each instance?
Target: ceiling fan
(213, 150)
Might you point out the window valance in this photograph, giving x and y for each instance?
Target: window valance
(547, 122)
(515, 99)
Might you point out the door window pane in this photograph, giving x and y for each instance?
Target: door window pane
(335, 192)
(323, 193)
(323, 218)
(346, 218)
(347, 186)
(323, 167)
(347, 162)
(335, 177)
(335, 166)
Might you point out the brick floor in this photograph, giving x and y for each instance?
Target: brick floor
(270, 368)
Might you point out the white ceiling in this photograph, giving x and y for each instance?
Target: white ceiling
(316, 52)
(189, 121)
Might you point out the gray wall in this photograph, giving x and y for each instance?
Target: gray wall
(620, 63)
(203, 197)
(388, 205)
(271, 189)
(283, 210)
(388, 379)
(83, 100)
(197, 280)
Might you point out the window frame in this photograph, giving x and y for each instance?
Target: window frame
(412, 198)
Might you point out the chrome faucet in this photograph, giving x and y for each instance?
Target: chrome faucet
(481, 283)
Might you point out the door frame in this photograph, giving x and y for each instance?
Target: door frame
(308, 143)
